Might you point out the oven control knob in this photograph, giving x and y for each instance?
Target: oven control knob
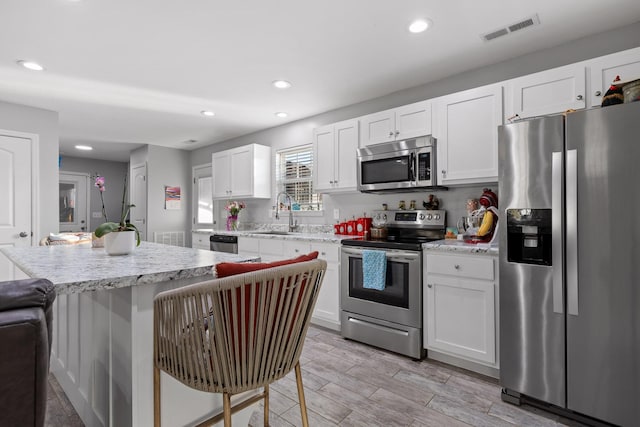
(428, 217)
(421, 217)
(436, 217)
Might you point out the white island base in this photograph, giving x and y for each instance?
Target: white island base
(102, 350)
(102, 356)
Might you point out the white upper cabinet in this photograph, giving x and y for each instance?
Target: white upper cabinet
(335, 148)
(604, 69)
(466, 131)
(548, 92)
(243, 172)
(399, 123)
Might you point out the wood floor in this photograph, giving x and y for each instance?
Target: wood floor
(351, 384)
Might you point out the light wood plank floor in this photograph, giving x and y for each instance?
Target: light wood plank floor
(352, 384)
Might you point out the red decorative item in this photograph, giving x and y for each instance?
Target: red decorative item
(363, 225)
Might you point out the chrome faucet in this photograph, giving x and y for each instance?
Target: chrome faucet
(292, 226)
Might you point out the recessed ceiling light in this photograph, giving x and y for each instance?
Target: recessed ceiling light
(281, 114)
(281, 84)
(207, 113)
(419, 25)
(84, 147)
(30, 65)
(190, 141)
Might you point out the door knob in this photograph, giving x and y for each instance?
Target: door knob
(23, 234)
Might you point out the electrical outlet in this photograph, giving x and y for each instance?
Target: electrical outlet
(336, 214)
(96, 214)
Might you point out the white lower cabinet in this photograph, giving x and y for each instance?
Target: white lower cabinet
(327, 309)
(200, 241)
(460, 306)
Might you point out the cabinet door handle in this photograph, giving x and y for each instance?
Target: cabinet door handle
(444, 172)
(323, 253)
(579, 97)
(457, 266)
(429, 286)
(390, 133)
(297, 250)
(397, 132)
(598, 93)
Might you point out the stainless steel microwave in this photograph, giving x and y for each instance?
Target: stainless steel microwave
(408, 165)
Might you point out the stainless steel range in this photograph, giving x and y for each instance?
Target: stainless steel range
(390, 318)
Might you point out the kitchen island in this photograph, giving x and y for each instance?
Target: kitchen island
(102, 351)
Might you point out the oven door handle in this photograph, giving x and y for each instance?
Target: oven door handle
(391, 255)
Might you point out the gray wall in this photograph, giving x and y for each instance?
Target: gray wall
(300, 132)
(166, 166)
(43, 123)
(114, 174)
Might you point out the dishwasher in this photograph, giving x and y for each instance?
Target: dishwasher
(223, 243)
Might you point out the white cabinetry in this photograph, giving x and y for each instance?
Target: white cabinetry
(242, 172)
(625, 64)
(467, 135)
(548, 92)
(399, 123)
(200, 241)
(335, 148)
(460, 306)
(327, 310)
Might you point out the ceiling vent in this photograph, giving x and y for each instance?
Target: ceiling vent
(525, 23)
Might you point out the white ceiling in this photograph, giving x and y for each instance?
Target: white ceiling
(123, 72)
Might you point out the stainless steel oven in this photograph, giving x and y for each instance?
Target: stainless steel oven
(390, 318)
(409, 165)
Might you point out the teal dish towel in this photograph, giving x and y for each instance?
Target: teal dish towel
(374, 269)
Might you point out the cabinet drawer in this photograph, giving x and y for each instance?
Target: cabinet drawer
(327, 251)
(248, 244)
(294, 249)
(272, 247)
(200, 241)
(476, 267)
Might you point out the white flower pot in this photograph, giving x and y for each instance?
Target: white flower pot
(120, 242)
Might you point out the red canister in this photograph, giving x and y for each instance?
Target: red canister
(363, 225)
(351, 227)
(336, 228)
(342, 228)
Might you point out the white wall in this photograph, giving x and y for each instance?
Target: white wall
(299, 132)
(45, 124)
(113, 173)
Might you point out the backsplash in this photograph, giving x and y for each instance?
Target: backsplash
(258, 213)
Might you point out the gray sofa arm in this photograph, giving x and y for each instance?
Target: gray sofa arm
(26, 319)
(26, 293)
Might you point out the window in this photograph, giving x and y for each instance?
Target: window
(203, 202)
(294, 175)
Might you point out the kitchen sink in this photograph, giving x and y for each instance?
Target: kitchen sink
(274, 233)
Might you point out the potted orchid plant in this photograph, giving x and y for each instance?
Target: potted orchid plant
(234, 209)
(119, 236)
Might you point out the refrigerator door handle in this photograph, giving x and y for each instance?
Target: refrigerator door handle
(572, 232)
(556, 231)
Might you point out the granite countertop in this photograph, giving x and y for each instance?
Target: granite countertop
(81, 268)
(308, 237)
(450, 245)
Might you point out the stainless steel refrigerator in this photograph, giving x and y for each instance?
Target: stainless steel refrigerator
(570, 262)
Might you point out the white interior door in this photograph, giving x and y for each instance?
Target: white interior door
(139, 198)
(74, 202)
(15, 209)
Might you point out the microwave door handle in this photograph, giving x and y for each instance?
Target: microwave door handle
(412, 168)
